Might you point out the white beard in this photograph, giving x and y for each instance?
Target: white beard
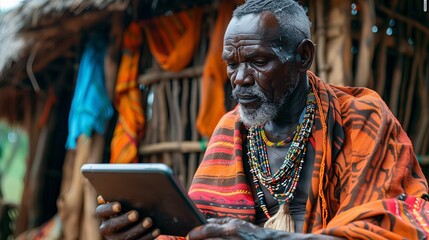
(269, 108)
(266, 112)
(259, 116)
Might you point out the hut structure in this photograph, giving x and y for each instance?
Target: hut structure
(142, 81)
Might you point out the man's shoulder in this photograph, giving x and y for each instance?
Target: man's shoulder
(346, 94)
(365, 108)
(229, 120)
(360, 99)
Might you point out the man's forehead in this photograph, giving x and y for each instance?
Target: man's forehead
(263, 26)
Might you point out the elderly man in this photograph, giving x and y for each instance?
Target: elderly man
(298, 158)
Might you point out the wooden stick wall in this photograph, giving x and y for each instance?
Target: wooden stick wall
(382, 45)
(375, 44)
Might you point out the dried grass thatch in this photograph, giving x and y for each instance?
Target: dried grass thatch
(38, 31)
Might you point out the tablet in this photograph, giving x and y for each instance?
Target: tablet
(151, 189)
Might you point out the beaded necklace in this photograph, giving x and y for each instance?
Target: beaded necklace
(281, 184)
(276, 144)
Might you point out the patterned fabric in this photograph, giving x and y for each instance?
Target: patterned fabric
(214, 75)
(91, 106)
(363, 162)
(173, 39)
(130, 125)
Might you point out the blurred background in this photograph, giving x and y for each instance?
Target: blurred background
(127, 81)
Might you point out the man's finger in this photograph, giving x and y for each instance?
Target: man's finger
(115, 224)
(209, 230)
(219, 220)
(107, 210)
(142, 231)
(100, 200)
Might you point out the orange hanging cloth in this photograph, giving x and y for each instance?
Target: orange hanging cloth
(212, 104)
(130, 125)
(173, 39)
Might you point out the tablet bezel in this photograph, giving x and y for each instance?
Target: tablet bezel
(150, 188)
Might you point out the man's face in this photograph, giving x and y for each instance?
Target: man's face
(261, 71)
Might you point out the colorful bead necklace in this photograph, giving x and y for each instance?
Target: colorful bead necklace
(281, 184)
(276, 144)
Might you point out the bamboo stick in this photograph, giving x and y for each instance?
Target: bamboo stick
(149, 118)
(381, 66)
(321, 40)
(163, 134)
(412, 83)
(404, 86)
(347, 47)
(184, 114)
(173, 146)
(396, 83)
(193, 112)
(366, 49)
(176, 110)
(423, 123)
(155, 120)
(154, 77)
(338, 56)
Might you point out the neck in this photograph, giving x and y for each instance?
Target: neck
(288, 117)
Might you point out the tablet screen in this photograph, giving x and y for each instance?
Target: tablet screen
(151, 189)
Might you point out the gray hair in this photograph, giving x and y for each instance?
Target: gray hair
(294, 23)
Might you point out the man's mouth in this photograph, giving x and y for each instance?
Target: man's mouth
(248, 100)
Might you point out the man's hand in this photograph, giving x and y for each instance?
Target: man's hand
(233, 228)
(227, 228)
(118, 225)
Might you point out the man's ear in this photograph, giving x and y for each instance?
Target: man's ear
(305, 52)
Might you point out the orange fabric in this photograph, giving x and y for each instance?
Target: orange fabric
(173, 39)
(366, 182)
(375, 165)
(373, 220)
(130, 125)
(212, 104)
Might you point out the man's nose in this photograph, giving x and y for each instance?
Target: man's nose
(243, 76)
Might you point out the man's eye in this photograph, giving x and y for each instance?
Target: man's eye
(260, 63)
(232, 65)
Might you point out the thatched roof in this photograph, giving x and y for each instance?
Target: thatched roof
(38, 31)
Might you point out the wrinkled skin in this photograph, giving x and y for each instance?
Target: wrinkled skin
(233, 228)
(116, 224)
(257, 59)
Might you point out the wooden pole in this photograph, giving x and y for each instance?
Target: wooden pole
(366, 48)
(321, 40)
(416, 64)
(339, 43)
(422, 88)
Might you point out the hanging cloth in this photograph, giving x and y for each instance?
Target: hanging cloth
(173, 39)
(212, 104)
(91, 107)
(130, 124)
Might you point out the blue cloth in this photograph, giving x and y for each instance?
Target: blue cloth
(91, 106)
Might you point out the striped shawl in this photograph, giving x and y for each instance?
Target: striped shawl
(366, 181)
